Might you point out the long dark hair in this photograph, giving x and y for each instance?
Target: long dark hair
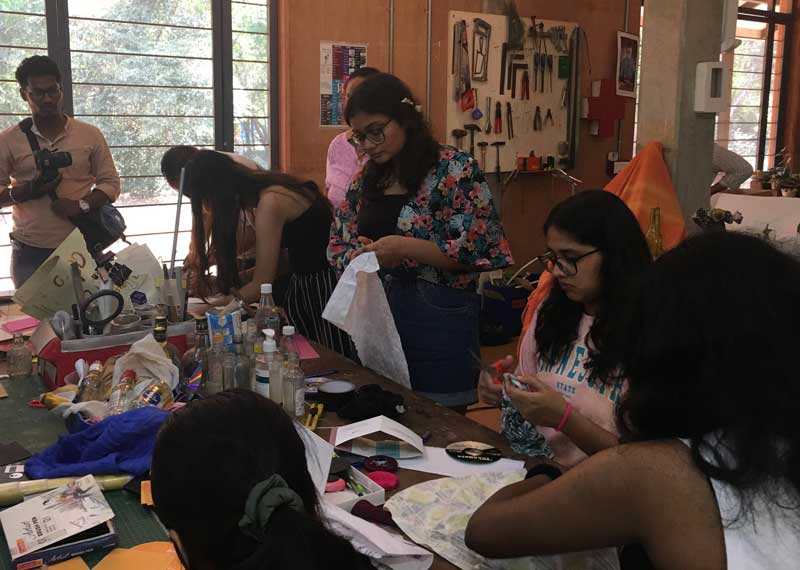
(226, 188)
(711, 341)
(207, 458)
(385, 94)
(599, 219)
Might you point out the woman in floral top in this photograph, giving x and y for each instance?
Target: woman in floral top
(427, 213)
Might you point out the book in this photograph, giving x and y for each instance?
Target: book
(60, 524)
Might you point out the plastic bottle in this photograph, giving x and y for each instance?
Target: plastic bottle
(263, 366)
(228, 369)
(268, 315)
(157, 394)
(250, 340)
(170, 350)
(120, 400)
(19, 358)
(294, 387)
(201, 343)
(214, 380)
(91, 387)
(289, 344)
(241, 370)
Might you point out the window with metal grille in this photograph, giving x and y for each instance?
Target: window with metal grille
(149, 74)
(752, 126)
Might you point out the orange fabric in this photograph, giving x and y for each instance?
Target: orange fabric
(643, 185)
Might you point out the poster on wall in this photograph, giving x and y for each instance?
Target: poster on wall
(627, 64)
(336, 62)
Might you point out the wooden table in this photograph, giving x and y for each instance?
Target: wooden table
(422, 416)
(37, 429)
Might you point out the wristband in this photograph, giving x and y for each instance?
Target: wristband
(11, 195)
(546, 469)
(564, 418)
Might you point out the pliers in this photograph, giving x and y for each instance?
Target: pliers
(549, 117)
(537, 119)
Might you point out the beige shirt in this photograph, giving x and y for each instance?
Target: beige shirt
(35, 222)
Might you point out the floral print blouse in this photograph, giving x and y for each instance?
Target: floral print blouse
(453, 208)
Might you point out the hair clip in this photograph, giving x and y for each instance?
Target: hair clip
(408, 101)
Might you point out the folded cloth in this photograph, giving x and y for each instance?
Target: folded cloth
(119, 444)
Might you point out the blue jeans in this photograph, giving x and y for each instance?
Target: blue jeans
(438, 328)
(25, 260)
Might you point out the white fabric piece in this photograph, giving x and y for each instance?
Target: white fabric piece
(148, 360)
(358, 306)
(372, 541)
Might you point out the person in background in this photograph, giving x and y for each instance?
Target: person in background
(43, 211)
(259, 507)
(175, 159)
(730, 170)
(288, 213)
(428, 215)
(709, 476)
(595, 249)
(344, 161)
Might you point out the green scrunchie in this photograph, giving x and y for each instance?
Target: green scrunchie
(262, 501)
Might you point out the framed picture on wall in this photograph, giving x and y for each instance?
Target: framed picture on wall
(627, 64)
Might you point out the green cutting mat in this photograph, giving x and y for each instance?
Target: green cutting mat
(37, 429)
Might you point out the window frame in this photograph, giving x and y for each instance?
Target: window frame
(57, 21)
(772, 19)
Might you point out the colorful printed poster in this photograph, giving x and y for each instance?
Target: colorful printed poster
(336, 63)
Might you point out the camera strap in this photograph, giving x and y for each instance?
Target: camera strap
(26, 126)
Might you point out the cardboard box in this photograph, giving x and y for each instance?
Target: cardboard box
(57, 358)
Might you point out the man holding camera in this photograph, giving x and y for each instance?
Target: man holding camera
(71, 174)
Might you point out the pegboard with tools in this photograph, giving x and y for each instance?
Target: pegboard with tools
(510, 101)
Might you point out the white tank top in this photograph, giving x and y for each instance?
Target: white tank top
(766, 539)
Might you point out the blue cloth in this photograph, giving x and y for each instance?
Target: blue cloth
(438, 329)
(119, 444)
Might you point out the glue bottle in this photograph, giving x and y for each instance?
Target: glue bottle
(264, 366)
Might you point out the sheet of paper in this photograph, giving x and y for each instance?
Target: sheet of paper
(307, 351)
(435, 514)
(128, 559)
(376, 543)
(76, 563)
(359, 307)
(319, 454)
(13, 325)
(437, 461)
(380, 424)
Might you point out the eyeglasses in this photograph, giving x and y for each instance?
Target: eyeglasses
(567, 265)
(39, 94)
(375, 135)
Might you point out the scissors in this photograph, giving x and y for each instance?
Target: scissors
(495, 370)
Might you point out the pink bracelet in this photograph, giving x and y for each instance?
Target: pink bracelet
(564, 418)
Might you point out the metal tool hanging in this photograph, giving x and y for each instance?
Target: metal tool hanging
(481, 36)
(462, 83)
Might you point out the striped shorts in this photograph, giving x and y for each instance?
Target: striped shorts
(306, 298)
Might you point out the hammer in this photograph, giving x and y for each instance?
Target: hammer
(497, 146)
(483, 145)
(459, 135)
(473, 128)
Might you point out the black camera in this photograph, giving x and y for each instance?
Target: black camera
(49, 162)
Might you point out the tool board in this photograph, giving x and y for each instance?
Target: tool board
(544, 142)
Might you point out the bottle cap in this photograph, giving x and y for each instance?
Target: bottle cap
(269, 343)
(266, 288)
(288, 330)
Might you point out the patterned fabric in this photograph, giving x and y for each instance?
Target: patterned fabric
(453, 208)
(523, 437)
